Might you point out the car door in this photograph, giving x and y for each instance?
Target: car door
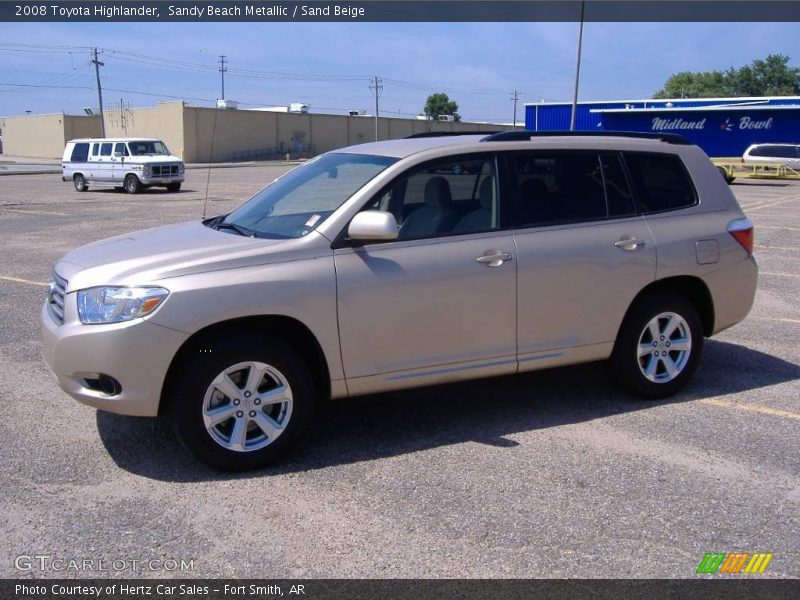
(583, 254)
(439, 303)
(118, 160)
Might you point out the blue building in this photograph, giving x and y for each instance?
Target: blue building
(721, 126)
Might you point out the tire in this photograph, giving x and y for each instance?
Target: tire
(119, 188)
(675, 354)
(79, 182)
(174, 187)
(249, 433)
(132, 184)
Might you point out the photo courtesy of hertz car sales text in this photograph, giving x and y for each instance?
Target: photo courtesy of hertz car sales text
(405, 263)
(131, 164)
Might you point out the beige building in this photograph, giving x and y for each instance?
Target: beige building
(215, 135)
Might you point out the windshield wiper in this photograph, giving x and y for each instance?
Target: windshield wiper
(234, 227)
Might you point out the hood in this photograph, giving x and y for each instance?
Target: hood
(148, 159)
(145, 257)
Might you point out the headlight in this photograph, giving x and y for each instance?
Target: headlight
(117, 304)
(181, 168)
(146, 170)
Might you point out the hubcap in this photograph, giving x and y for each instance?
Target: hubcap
(664, 347)
(247, 406)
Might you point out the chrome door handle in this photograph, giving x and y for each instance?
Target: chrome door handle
(629, 244)
(495, 259)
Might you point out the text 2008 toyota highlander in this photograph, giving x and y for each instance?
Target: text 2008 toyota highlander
(406, 263)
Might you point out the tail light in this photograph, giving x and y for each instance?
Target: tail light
(742, 231)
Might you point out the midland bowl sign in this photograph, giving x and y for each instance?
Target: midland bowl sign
(718, 132)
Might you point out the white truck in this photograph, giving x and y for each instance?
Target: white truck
(131, 164)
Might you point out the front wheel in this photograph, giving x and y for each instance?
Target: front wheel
(79, 181)
(658, 347)
(240, 405)
(174, 187)
(132, 184)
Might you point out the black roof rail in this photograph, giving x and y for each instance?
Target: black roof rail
(430, 134)
(526, 135)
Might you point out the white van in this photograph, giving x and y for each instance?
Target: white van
(777, 154)
(125, 163)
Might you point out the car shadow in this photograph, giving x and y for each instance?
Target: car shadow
(750, 182)
(484, 411)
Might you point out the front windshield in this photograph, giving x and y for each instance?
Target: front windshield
(148, 148)
(298, 202)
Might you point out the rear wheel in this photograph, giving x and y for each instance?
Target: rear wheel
(132, 184)
(241, 404)
(79, 182)
(659, 346)
(174, 187)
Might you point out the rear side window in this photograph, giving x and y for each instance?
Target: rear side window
(95, 149)
(559, 187)
(105, 149)
(660, 181)
(80, 153)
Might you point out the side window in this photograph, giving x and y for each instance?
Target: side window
(105, 149)
(559, 187)
(452, 196)
(121, 148)
(660, 181)
(618, 192)
(95, 149)
(80, 153)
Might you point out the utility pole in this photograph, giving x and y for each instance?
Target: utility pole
(97, 64)
(515, 98)
(222, 69)
(377, 86)
(577, 71)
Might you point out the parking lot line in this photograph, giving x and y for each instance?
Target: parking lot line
(775, 247)
(778, 319)
(20, 280)
(773, 412)
(35, 212)
(779, 274)
(777, 227)
(770, 205)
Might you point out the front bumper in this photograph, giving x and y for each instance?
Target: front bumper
(160, 179)
(136, 354)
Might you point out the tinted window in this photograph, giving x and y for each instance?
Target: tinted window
(660, 181)
(561, 187)
(95, 149)
(121, 148)
(80, 153)
(775, 151)
(451, 196)
(105, 150)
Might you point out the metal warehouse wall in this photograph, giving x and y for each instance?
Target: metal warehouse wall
(556, 116)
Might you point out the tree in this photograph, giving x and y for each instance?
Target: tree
(769, 77)
(440, 104)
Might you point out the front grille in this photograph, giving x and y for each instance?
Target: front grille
(55, 298)
(164, 170)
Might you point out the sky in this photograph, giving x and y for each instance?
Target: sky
(45, 68)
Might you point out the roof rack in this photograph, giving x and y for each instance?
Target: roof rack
(526, 135)
(430, 134)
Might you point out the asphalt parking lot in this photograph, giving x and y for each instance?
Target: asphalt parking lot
(550, 474)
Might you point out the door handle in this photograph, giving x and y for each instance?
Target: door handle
(493, 258)
(629, 244)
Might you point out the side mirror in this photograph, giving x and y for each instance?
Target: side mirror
(373, 225)
(118, 154)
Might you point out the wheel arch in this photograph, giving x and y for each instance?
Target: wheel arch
(692, 288)
(289, 329)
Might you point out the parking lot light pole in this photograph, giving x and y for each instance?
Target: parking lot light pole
(577, 71)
